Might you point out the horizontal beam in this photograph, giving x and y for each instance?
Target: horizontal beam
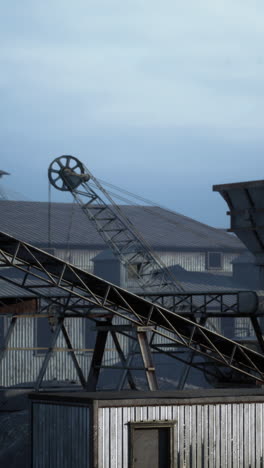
(35, 263)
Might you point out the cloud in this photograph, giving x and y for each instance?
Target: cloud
(134, 63)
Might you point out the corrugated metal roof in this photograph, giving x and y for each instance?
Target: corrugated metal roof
(196, 281)
(162, 229)
(203, 281)
(245, 393)
(10, 290)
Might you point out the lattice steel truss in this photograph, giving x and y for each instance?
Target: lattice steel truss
(87, 295)
(67, 173)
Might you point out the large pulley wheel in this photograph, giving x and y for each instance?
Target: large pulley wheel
(66, 173)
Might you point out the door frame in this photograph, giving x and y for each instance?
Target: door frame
(152, 425)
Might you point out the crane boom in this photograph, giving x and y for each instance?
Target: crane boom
(67, 173)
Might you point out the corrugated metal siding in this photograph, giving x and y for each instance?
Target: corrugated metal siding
(23, 366)
(227, 259)
(80, 258)
(60, 436)
(191, 261)
(20, 366)
(195, 261)
(206, 436)
(244, 327)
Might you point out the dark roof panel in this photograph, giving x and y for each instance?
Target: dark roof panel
(190, 281)
(111, 398)
(163, 229)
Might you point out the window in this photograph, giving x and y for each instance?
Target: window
(134, 270)
(43, 335)
(151, 445)
(214, 260)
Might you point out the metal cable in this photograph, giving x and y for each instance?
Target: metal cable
(49, 216)
(70, 231)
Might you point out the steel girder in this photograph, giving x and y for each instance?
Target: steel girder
(41, 272)
(67, 173)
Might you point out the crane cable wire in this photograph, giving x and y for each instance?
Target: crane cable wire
(69, 228)
(153, 204)
(145, 208)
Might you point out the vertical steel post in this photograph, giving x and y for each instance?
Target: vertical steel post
(147, 357)
(97, 357)
(7, 337)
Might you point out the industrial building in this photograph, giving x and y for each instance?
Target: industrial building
(200, 256)
(65, 231)
(48, 300)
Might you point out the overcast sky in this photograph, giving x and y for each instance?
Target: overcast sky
(164, 98)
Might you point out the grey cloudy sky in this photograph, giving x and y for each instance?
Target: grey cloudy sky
(164, 98)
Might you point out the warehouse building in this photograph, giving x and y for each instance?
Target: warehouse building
(177, 239)
(200, 256)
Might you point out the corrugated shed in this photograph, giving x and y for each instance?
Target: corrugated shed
(210, 429)
(163, 229)
(205, 436)
(62, 436)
